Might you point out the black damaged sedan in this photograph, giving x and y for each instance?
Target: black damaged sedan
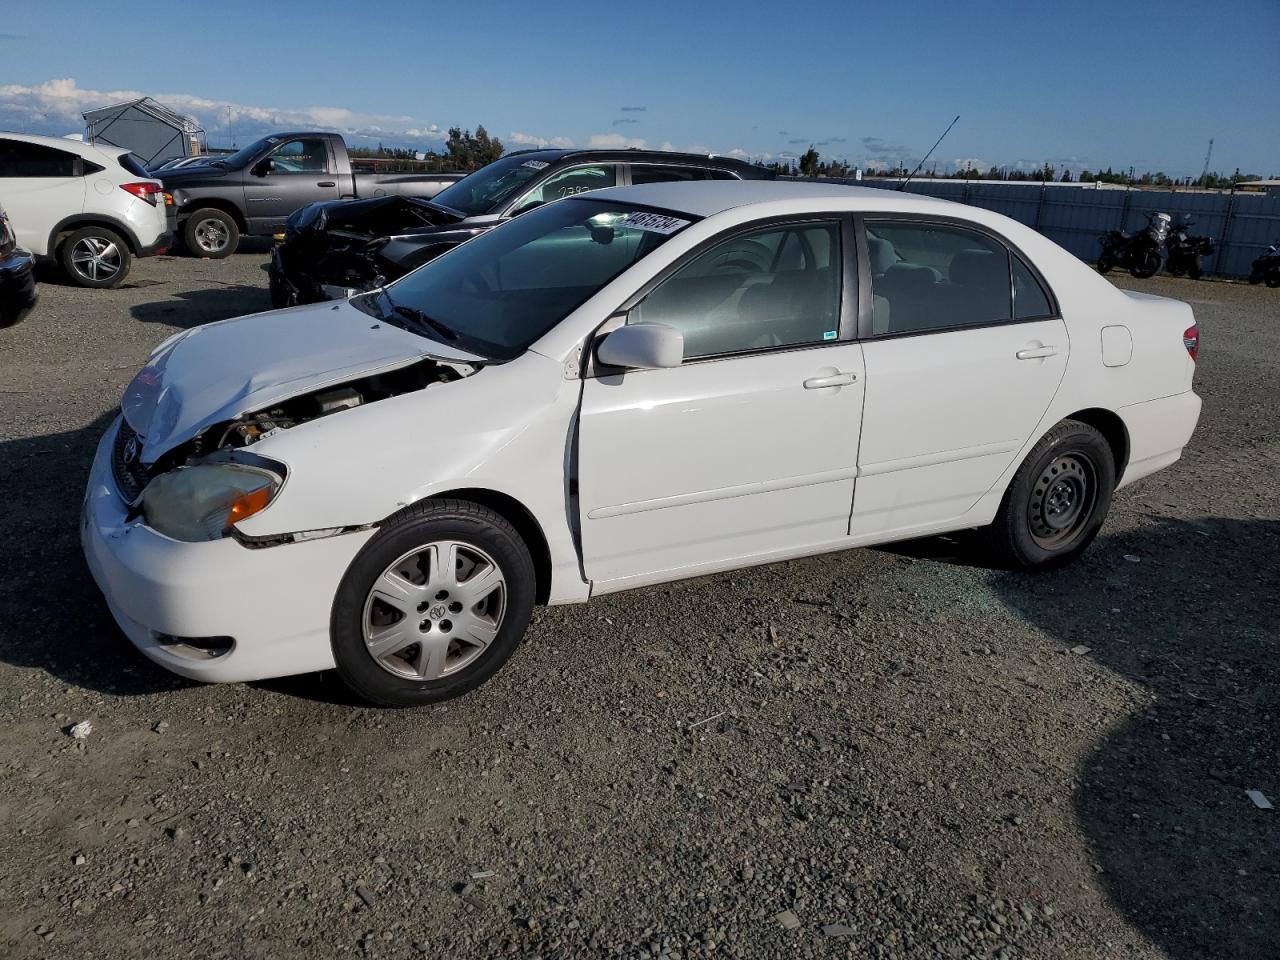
(17, 277)
(335, 249)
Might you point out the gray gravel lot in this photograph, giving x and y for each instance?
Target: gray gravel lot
(882, 753)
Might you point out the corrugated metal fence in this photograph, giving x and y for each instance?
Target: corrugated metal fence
(1242, 225)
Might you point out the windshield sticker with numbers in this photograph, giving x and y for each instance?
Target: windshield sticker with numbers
(652, 222)
(536, 164)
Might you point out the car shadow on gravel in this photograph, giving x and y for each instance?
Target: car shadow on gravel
(1188, 612)
(192, 308)
(52, 616)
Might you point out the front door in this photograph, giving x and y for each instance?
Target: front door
(747, 449)
(301, 171)
(964, 355)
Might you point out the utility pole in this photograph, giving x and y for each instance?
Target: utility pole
(1204, 174)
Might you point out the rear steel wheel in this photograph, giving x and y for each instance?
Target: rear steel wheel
(1062, 500)
(212, 233)
(1057, 500)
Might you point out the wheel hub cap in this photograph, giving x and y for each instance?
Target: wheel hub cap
(434, 611)
(211, 235)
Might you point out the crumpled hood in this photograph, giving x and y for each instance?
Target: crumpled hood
(378, 216)
(221, 370)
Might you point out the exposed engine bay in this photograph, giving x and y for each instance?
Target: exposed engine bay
(251, 428)
(357, 245)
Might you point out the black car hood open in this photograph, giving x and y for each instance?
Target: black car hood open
(376, 216)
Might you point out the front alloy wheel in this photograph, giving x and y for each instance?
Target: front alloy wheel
(433, 605)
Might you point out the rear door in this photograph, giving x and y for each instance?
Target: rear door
(39, 186)
(964, 350)
(302, 171)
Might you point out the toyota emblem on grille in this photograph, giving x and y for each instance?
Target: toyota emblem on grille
(130, 452)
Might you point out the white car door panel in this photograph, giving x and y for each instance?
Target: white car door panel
(716, 460)
(41, 185)
(945, 415)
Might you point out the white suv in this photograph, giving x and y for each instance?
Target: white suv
(92, 208)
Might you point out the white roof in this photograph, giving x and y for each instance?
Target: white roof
(63, 143)
(705, 198)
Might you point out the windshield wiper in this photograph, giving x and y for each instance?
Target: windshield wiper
(417, 316)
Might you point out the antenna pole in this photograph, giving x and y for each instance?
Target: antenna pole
(903, 184)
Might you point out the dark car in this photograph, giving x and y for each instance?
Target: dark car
(332, 250)
(17, 277)
(254, 190)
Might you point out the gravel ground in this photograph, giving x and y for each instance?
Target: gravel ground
(882, 753)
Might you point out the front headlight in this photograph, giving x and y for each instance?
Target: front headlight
(205, 501)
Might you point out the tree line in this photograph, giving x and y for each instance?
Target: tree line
(464, 151)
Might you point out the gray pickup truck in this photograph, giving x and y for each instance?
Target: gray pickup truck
(254, 190)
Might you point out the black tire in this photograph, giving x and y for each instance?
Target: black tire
(1194, 270)
(210, 232)
(1073, 456)
(424, 523)
(1255, 276)
(1106, 262)
(109, 259)
(1146, 264)
(1273, 277)
(1175, 268)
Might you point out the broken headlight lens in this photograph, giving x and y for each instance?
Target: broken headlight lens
(205, 501)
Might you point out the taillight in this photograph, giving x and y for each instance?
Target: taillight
(1191, 340)
(145, 190)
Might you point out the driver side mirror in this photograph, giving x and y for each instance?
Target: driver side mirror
(642, 346)
(263, 167)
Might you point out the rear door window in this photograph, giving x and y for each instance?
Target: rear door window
(936, 276)
(642, 173)
(21, 159)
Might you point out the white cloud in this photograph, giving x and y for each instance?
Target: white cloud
(55, 107)
(614, 141)
(515, 138)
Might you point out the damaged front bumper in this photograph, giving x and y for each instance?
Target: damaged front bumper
(216, 611)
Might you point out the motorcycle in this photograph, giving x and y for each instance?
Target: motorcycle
(1266, 269)
(1139, 252)
(1184, 250)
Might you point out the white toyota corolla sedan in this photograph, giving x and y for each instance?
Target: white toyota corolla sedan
(619, 389)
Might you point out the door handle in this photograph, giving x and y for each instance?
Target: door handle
(1036, 353)
(835, 380)
(326, 183)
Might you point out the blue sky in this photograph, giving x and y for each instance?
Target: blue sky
(1076, 84)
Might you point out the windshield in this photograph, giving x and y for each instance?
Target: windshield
(490, 186)
(242, 157)
(498, 293)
